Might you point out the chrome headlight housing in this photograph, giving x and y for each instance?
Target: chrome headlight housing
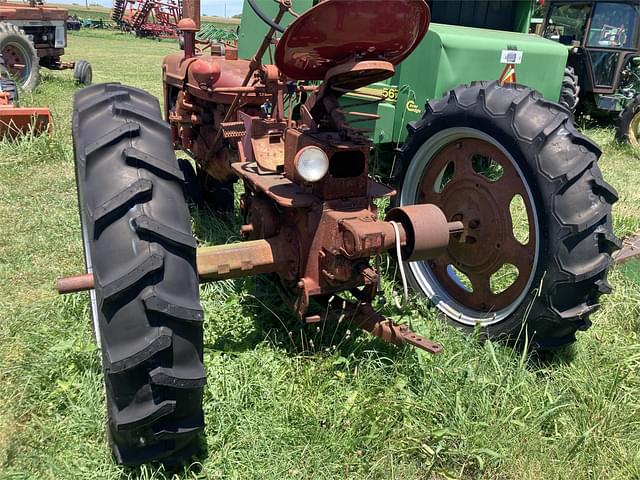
(312, 164)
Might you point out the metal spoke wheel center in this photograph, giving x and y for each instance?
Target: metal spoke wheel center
(489, 266)
(16, 60)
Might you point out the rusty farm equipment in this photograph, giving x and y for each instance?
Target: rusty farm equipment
(33, 35)
(291, 134)
(148, 18)
(14, 120)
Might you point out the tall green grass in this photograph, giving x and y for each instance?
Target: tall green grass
(291, 402)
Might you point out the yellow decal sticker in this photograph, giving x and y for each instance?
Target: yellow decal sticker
(413, 107)
(388, 93)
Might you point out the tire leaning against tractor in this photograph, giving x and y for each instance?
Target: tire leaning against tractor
(570, 201)
(139, 246)
(14, 40)
(570, 90)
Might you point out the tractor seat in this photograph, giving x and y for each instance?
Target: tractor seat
(366, 37)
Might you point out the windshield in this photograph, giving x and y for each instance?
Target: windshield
(567, 22)
(612, 25)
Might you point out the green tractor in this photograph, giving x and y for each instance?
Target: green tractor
(603, 67)
(467, 41)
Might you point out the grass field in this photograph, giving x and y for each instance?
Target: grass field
(289, 403)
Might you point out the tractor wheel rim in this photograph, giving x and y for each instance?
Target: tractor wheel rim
(634, 129)
(464, 281)
(89, 266)
(14, 54)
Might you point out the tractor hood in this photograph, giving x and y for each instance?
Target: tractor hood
(451, 55)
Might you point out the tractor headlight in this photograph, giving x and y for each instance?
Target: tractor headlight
(312, 164)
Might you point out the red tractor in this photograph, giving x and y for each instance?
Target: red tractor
(285, 133)
(34, 36)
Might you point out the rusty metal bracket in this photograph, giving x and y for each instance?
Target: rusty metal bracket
(630, 249)
(365, 317)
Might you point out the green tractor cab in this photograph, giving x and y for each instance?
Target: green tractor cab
(603, 42)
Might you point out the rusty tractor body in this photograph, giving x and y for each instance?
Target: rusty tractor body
(325, 229)
(290, 132)
(45, 25)
(15, 120)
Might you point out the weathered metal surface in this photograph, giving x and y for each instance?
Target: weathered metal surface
(483, 206)
(16, 121)
(368, 29)
(77, 283)
(630, 249)
(317, 236)
(448, 56)
(367, 319)
(428, 228)
(221, 262)
(273, 255)
(275, 186)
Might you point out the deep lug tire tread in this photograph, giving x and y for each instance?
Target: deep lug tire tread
(143, 254)
(9, 86)
(570, 90)
(573, 202)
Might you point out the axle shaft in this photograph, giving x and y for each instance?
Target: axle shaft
(222, 262)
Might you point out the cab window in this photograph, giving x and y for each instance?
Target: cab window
(612, 25)
(567, 22)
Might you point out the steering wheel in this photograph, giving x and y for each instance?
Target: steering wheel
(264, 17)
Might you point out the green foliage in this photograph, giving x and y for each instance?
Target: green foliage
(285, 401)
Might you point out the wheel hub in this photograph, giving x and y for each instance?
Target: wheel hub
(471, 203)
(472, 181)
(15, 60)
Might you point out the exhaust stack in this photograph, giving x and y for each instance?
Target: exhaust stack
(189, 26)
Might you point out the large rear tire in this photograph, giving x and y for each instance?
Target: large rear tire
(473, 153)
(19, 56)
(139, 246)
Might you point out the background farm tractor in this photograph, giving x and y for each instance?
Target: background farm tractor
(499, 215)
(32, 36)
(604, 59)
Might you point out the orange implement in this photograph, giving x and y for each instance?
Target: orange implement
(15, 121)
